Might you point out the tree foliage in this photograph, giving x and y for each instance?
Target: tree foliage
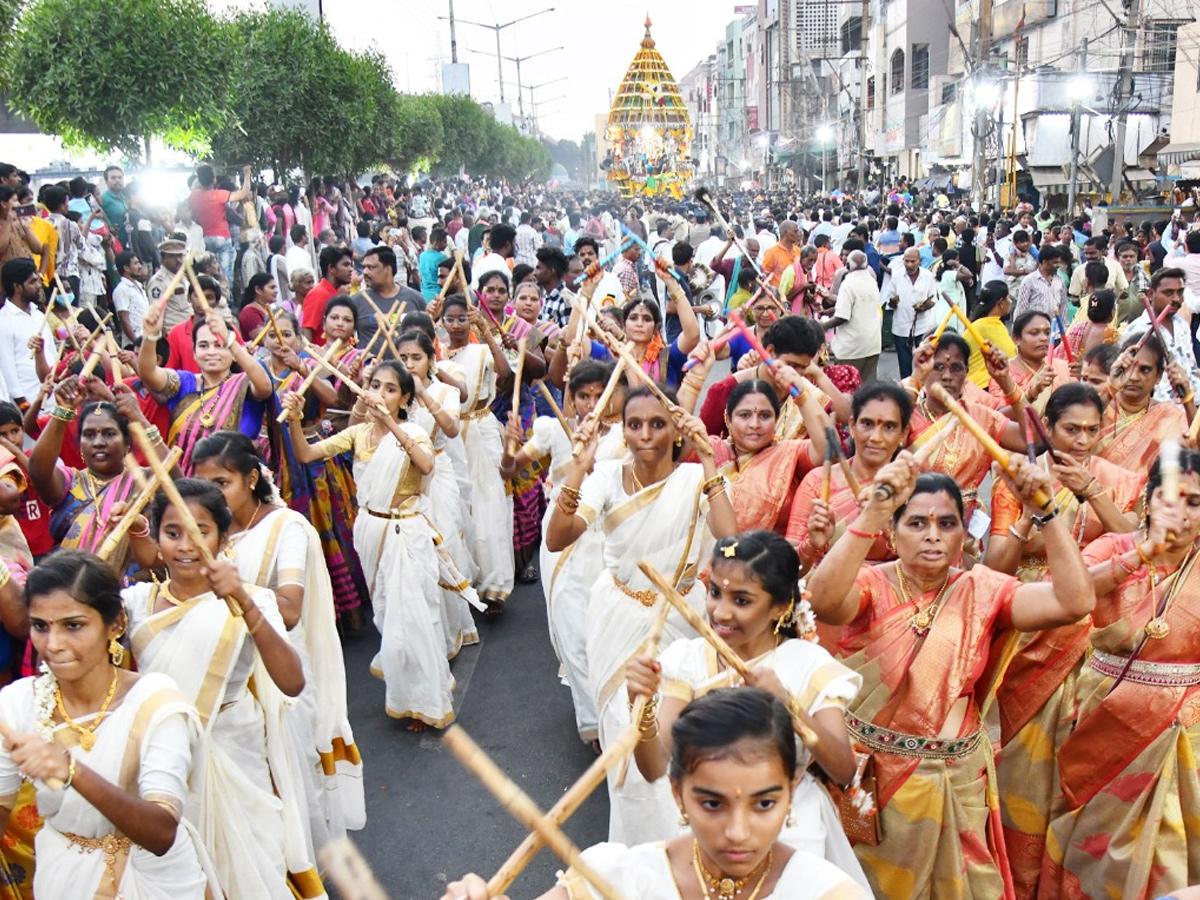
(106, 74)
(270, 87)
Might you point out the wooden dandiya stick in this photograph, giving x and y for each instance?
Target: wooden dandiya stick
(1194, 431)
(95, 335)
(1036, 421)
(757, 345)
(705, 197)
(558, 413)
(313, 373)
(195, 283)
(570, 801)
(176, 280)
(336, 371)
(1156, 324)
(1031, 436)
(598, 411)
(112, 351)
(90, 366)
(827, 468)
(522, 808)
(55, 784)
(706, 631)
(945, 323)
(1066, 344)
(518, 373)
(728, 333)
(456, 270)
(1041, 499)
(113, 539)
(181, 508)
(345, 867)
(983, 342)
(383, 323)
(275, 327)
(941, 429)
(1169, 470)
(649, 648)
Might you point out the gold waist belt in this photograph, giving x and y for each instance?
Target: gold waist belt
(392, 514)
(1161, 674)
(896, 742)
(476, 413)
(648, 597)
(110, 845)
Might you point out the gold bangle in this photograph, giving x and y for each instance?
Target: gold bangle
(570, 491)
(1013, 396)
(257, 625)
(70, 771)
(716, 481)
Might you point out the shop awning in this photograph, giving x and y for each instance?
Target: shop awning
(1175, 154)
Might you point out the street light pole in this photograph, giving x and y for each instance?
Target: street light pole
(497, 28)
(1073, 186)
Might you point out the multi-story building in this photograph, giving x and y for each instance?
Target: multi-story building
(738, 75)
(1181, 157)
(701, 90)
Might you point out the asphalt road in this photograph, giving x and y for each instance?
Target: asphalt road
(428, 819)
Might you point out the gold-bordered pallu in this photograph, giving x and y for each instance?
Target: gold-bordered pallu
(1159, 674)
(876, 737)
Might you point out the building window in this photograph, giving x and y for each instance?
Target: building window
(871, 92)
(920, 67)
(852, 35)
(1158, 51)
(1021, 51)
(897, 71)
(949, 92)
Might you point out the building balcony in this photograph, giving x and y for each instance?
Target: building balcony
(1049, 91)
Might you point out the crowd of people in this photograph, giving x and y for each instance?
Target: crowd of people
(941, 628)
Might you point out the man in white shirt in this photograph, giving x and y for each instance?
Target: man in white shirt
(20, 320)
(912, 295)
(710, 246)
(298, 255)
(1166, 289)
(857, 317)
(528, 241)
(129, 296)
(766, 237)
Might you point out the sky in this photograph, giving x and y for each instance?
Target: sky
(599, 39)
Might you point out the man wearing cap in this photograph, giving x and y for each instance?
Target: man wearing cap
(178, 308)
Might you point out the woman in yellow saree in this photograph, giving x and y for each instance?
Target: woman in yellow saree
(1036, 700)
(919, 631)
(1130, 777)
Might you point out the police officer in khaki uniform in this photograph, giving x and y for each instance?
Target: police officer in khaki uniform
(179, 309)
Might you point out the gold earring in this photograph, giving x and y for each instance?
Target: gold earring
(683, 818)
(786, 618)
(790, 822)
(116, 653)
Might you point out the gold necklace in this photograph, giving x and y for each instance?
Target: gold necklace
(724, 887)
(206, 416)
(922, 619)
(87, 735)
(95, 485)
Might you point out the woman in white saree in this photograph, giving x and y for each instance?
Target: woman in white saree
(401, 552)
(277, 548)
(491, 508)
(755, 604)
(437, 411)
(568, 577)
(650, 507)
(183, 628)
(733, 772)
(111, 752)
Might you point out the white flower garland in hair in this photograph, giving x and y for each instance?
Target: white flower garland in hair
(265, 474)
(804, 620)
(44, 703)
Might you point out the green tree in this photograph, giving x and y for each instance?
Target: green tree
(110, 74)
(420, 136)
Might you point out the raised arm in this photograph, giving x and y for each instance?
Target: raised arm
(689, 335)
(45, 476)
(834, 596)
(153, 377)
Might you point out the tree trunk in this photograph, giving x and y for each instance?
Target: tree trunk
(149, 161)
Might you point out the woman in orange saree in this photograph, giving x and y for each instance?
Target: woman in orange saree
(1034, 369)
(879, 419)
(919, 631)
(764, 473)
(1130, 777)
(1135, 424)
(1036, 700)
(961, 456)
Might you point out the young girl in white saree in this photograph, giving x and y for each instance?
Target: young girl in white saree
(650, 507)
(401, 552)
(277, 548)
(733, 772)
(111, 752)
(243, 805)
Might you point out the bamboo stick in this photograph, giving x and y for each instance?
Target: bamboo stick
(336, 371)
(275, 327)
(349, 872)
(176, 280)
(90, 366)
(1194, 431)
(523, 809)
(549, 398)
(1041, 499)
(145, 495)
(312, 375)
(570, 801)
(55, 784)
(181, 508)
(516, 389)
(706, 631)
(942, 429)
(195, 283)
(383, 323)
(649, 648)
(598, 411)
(456, 270)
